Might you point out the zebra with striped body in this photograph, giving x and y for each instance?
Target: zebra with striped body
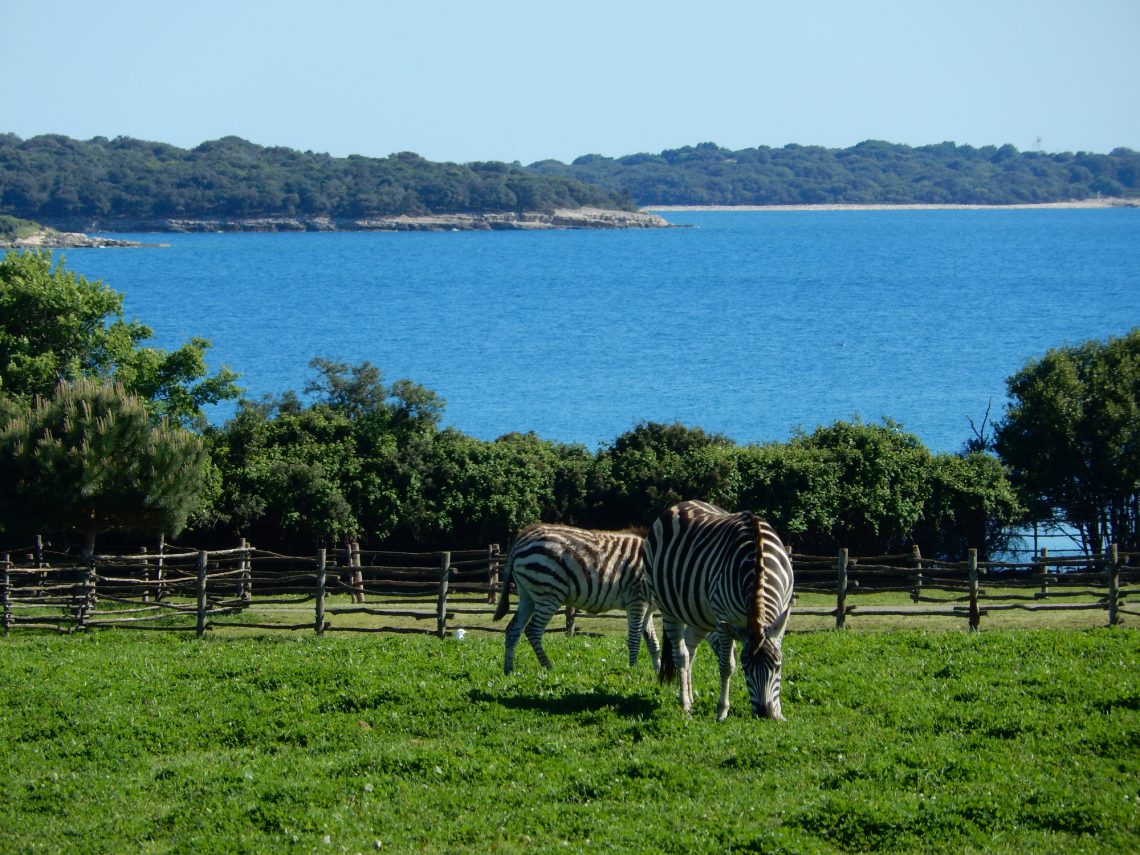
(552, 565)
(709, 569)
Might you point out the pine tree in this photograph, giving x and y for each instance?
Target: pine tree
(91, 459)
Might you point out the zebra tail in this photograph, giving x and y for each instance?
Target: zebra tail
(667, 671)
(504, 605)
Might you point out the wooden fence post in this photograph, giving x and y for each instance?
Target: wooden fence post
(441, 608)
(145, 576)
(357, 574)
(39, 559)
(1044, 555)
(975, 612)
(203, 563)
(6, 591)
(916, 560)
(841, 589)
(571, 613)
(322, 570)
(86, 601)
(1113, 584)
(492, 574)
(245, 576)
(160, 570)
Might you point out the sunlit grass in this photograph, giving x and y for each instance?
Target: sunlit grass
(1004, 741)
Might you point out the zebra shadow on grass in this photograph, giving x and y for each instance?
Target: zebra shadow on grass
(573, 703)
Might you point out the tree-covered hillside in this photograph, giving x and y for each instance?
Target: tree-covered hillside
(76, 185)
(61, 182)
(871, 172)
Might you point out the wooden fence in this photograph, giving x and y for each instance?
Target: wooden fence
(969, 589)
(191, 590)
(198, 590)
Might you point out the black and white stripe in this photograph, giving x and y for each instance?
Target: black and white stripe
(596, 571)
(709, 569)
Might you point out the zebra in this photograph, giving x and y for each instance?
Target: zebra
(552, 565)
(709, 569)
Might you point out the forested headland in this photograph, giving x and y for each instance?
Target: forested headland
(131, 185)
(75, 185)
(870, 173)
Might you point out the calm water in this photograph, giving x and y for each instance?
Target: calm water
(748, 323)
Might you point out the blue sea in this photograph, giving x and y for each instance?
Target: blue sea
(749, 324)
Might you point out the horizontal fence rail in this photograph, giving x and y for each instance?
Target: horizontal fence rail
(969, 589)
(355, 590)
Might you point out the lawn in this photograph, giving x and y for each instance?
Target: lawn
(901, 741)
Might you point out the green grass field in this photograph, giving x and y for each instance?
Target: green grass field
(1004, 741)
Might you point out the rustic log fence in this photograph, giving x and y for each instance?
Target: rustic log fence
(176, 589)
(969, 589)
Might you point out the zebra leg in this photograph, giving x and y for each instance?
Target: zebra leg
(543, 613)
(726, 655)
(639, 622)
(693, 638)
(676, 631)
(514, 629)
(651, 640)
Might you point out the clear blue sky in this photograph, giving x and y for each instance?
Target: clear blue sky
(510, 80)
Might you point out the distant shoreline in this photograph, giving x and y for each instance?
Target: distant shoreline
(1078, 204)
(75, 229)
(51, 239)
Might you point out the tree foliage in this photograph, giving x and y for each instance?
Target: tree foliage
(70, 183)
(346, 465)
(337, 468)
(1071, 436)
(880, 478)
(63, 182)
(657, 465)
(872, 172)
(972, 504)
(56, 325)
(876, 489)
(90, 458)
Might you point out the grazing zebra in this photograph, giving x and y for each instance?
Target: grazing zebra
(552, 565)
(709, 569)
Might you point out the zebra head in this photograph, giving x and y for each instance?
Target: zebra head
(762, 639)
(761, 656)
(761, 663)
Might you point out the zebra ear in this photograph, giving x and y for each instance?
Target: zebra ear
(772, 631)
(778, 625)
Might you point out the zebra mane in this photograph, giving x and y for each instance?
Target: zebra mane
(636, 529)
(756, 606)
(528, 528)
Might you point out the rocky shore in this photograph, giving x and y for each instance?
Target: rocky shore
(579, 218)
(51, 239)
